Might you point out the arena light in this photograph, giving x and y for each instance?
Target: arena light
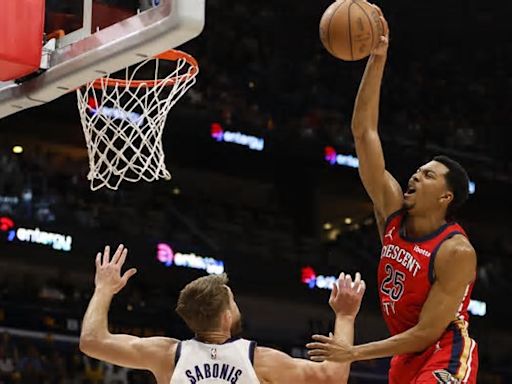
(17, 149)
(167, 256)
(254, 143)
(57, 241)
(334, 158)
(472, 187)
(114, 113)
(477, 308)
(11, 200)
(312, 280)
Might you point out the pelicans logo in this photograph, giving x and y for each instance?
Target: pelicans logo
(445, 377)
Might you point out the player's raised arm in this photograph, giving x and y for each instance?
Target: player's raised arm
(152, 353)
(273, 366)
(383, 189)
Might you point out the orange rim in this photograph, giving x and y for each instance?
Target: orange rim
(171, 55)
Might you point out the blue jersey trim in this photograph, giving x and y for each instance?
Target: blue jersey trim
(178, 354)
(422, 239)
(391, 217)
(457, 347)
(431, 272)
(252, 349)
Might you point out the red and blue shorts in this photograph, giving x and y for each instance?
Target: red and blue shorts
(452, 360)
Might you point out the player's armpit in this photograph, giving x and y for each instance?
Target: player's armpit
(273, 366)
(150, 353)
(380, 221)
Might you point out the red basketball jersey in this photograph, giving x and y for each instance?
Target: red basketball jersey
(406, 273)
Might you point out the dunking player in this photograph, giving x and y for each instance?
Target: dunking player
(427, 265)
(214, 356)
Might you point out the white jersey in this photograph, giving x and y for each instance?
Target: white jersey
(203, 363)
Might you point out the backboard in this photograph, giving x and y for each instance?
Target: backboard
(91, 38)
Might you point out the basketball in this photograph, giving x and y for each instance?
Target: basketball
(350, 29)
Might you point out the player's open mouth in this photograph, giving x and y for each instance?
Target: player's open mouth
(410, 191)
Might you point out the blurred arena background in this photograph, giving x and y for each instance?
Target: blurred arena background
(264, 183)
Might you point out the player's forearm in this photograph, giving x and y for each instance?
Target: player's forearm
(337, 373)
(344, 328)
(413, 340)
(95, 322)
(366, 109)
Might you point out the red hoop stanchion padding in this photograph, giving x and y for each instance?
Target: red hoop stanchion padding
(123, 119)
(21, 28)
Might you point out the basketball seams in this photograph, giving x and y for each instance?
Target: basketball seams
(370, 22)
(350, 30)
(329, 34)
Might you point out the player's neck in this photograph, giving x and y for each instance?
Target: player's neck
(213, 337)
(417, 226)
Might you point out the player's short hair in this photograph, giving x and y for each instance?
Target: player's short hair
(202, 301)
(457, 181)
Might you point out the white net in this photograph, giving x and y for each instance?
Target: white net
(123, 122)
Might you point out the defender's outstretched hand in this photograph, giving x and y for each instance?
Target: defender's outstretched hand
(346, 295)
(345, 300)
(108, 272)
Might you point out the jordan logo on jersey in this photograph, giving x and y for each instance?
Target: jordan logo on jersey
(445, 377)
(225, 372)
(390, 234)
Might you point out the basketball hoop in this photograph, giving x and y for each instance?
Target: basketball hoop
(123, 119)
